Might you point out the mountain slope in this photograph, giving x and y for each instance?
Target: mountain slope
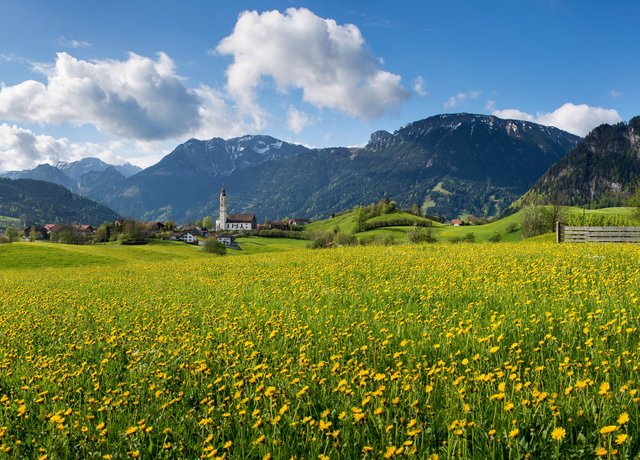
(44, 202)
(602, 170)
(450, 163)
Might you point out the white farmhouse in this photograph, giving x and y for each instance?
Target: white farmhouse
(232, 222)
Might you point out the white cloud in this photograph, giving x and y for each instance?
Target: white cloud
(461, 98)
(21, 149)
(330, 63)
(577, 119)
(615, 94)
(297, 120)
(138, 98)
(419, 86)
(71, 43)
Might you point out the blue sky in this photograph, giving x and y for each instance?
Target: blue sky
(128, 81)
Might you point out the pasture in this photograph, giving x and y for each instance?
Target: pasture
(507, 350)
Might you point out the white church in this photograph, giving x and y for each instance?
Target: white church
(233, 222)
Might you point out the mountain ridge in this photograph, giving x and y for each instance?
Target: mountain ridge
(45, 202)
(451, 163)
(602, 170)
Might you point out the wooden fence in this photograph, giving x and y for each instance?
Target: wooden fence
(568, 234)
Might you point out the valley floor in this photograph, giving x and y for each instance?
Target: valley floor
(465, 351)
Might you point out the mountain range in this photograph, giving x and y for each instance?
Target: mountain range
(602, 170)
(450, 164)
(83, 176)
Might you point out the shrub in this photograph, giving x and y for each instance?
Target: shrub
(345, 239)
(421, 235)
(512, 227)
(213, 246)
(496, 238)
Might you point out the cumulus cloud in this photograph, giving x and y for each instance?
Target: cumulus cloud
(329, 62)
(461, 98)
(419, 86)
(20, 148)
(297, 120)
(577, 119)
(138, 98)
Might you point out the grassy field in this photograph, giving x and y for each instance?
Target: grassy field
(525, 350)
(507, 229)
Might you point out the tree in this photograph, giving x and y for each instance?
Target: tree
(536, 218)
(131, 232)
(102, 233)
(213, 246)
(34, 234)
(360, 220)
(421, 235)
(11, 234)
(634, 203)
(207, 223)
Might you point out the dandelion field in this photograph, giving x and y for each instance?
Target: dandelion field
(461, 351)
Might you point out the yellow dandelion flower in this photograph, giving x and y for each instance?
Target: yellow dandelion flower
(391, 450)
(605, 430)
(601, 452)
(623, 418)
(604, 388)
(129, 431)
(558, 434)
(227, 445)
(514, 433)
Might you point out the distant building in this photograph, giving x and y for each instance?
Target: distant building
(456, 222)
(228, 240)
(298, 221)
(279, 225)
(226, 222)
(186, 236)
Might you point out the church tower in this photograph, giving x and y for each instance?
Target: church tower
(222, 219)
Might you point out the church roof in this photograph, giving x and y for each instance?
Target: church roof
(222, 192)
(239, 218)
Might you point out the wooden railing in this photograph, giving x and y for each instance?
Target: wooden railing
(569, 234)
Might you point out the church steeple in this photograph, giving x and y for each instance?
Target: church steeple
(222, 219)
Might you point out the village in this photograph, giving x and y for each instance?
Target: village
(129, 231)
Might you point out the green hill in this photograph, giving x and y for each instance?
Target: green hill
(44, 202)
(507, 229)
